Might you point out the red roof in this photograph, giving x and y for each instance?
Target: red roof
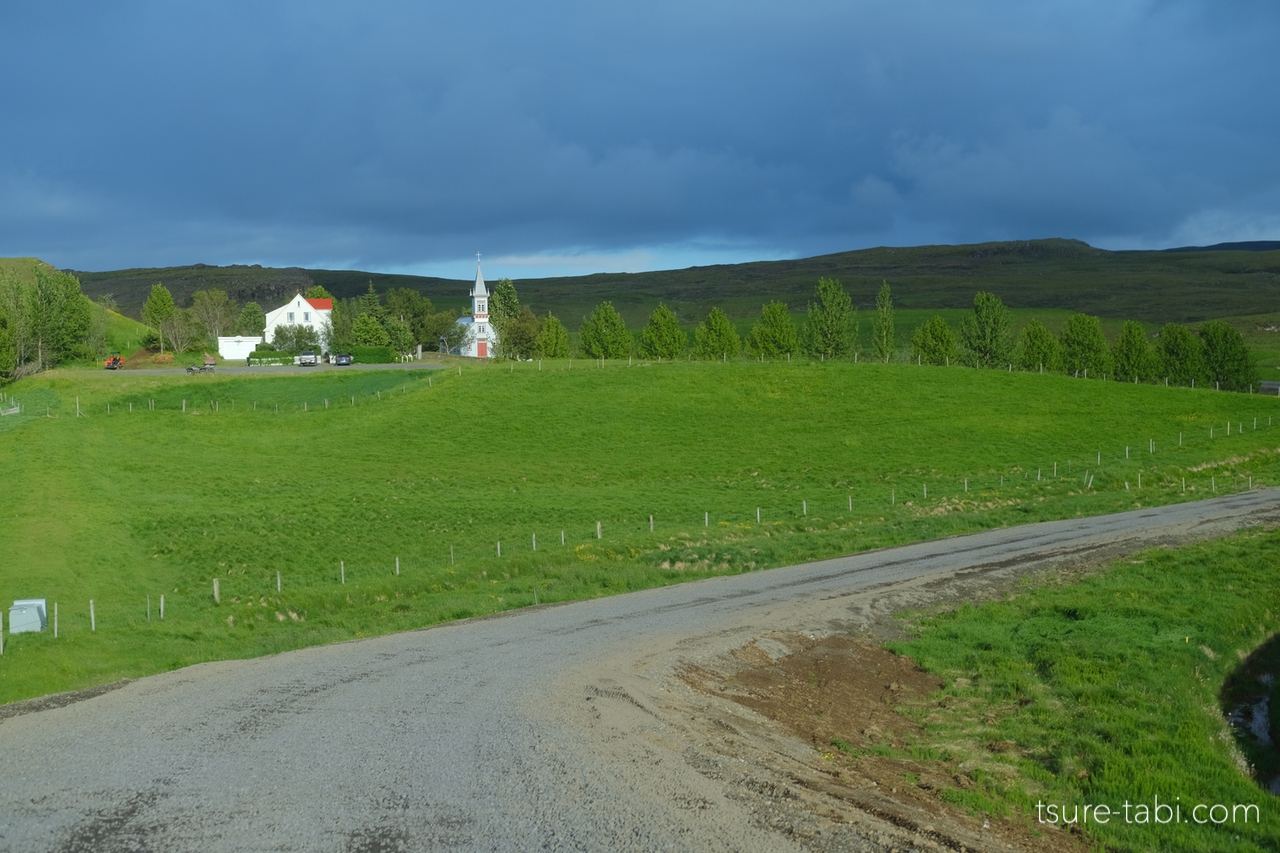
(321, 304)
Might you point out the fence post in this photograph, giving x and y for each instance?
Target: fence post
(217, 598)
(397, 567)
(651, 524)
(55, 617)
(277, 581)
(93, 619)
(342, 569)
(55, 608)
(598, 533)
(535, 541)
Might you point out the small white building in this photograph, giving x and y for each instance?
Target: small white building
(300, 311)
(238, 347)
(481, 336)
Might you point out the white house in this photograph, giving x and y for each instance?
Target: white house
(300, 311)
(481, 336)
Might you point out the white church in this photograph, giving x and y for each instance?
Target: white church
(481, 337)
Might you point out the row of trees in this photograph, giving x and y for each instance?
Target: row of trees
(45, 319)
(1216, 355)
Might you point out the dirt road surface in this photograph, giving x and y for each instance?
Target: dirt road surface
(567, 727)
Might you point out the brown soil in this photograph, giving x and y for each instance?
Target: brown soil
(853, 691)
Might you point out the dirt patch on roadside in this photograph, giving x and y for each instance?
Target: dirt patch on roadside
(845, 696)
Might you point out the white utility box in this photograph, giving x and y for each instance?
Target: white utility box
(27, 614)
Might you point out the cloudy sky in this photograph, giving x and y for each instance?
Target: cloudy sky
(571, 136)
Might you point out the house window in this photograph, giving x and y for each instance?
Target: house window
(306, 316)
(290, 316)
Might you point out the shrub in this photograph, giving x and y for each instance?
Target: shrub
(373, 355)
(934, 342)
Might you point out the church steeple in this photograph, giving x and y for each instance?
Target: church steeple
(479, 290)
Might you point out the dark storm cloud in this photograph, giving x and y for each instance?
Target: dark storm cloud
(402, 135)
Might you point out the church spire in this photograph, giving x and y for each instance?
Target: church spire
(479, 289)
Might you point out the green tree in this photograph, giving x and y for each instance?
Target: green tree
(8, 348)
(831, 329)
(553, 340)
(61, 316)
(369, 303)
(934, 342)
(986, 335)
(882, 340)
(504, 304)
(366, 331)
(1038, 350)
(715, 337)
(442, 331)
(1226, 358)
(183, 329)
(158, 308)
(399, 335)
(317, 291)
(215, 310)
(1084, 347)
(1132, 356)
(519, 337)
(1180, 355)
(662, 336)
(295, 339)
(604, 335)
(774, 334)
(252, 320)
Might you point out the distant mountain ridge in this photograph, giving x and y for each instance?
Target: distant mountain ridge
(1244, 246)
(1181, 285)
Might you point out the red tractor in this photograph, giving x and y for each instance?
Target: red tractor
(113, 362)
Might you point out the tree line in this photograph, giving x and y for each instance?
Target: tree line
(1215, 355)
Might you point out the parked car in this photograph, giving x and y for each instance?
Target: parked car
(308, 359)
(342, 358)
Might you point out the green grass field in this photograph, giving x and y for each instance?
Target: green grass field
(1106, 692)
(259, 477)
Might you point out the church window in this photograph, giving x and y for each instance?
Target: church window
(479, 306)
(480, 328)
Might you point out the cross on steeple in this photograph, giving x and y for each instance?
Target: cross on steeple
(477, 257)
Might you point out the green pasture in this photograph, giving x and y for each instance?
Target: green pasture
(1106, 692)
(303, 473)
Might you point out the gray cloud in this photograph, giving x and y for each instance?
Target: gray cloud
(401, 135)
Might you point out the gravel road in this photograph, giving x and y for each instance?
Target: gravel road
(552, 728)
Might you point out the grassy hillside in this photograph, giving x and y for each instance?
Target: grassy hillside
(1106, 692)
(1154, 287)
(258, 476)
